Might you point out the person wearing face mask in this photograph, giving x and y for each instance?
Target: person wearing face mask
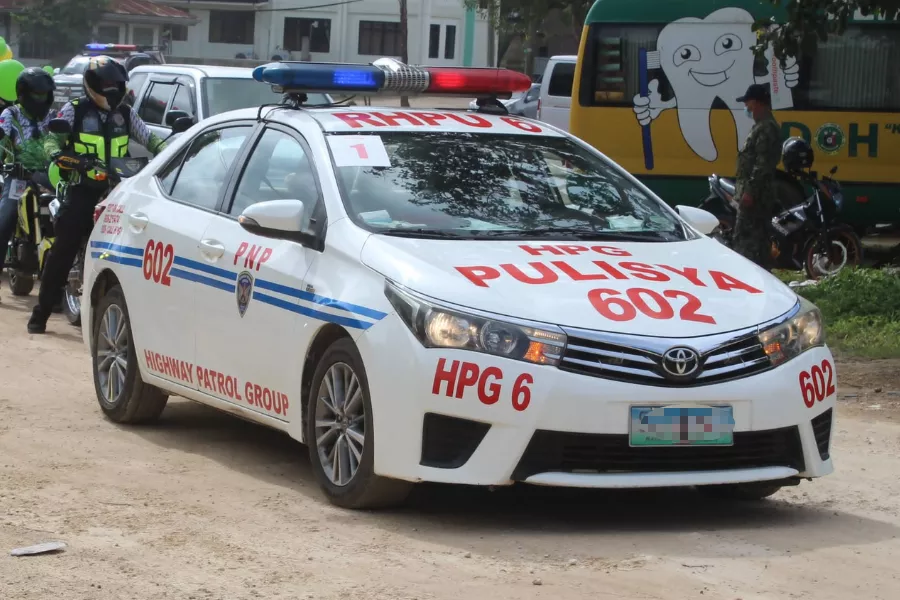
(102, 125)
(755, 181)
(24, 124)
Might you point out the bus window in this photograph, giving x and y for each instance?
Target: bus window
(854, 71)
(561, 80)
(611, 72)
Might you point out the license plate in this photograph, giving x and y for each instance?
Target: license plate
(684, 425)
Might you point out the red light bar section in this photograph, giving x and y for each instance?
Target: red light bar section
(452, 80)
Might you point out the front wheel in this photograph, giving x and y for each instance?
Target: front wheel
(20, 282)
(826, 256)
(122, 394)
(340, 433)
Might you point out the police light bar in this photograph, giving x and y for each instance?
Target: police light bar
(389, 76)
(107, 47)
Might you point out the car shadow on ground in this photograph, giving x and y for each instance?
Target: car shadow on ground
(522, 520)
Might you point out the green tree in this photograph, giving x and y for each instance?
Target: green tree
(59, 25)
(812, 21)
(512, 19)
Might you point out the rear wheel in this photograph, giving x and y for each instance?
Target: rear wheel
(72, 292)
(122, 394)
(844, 250)
(340, 433)
(754, 491)
(20, 282)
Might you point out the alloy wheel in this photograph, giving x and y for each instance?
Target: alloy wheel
(340, 424)
(112, 353)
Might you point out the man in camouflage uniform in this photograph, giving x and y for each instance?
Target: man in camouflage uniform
(755, 185)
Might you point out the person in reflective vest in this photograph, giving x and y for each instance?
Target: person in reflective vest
(102, 126)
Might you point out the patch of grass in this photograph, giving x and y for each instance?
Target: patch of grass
(861, 308)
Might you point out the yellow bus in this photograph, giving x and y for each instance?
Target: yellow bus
(657, 82)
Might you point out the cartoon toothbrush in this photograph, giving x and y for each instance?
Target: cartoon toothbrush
(647, 61)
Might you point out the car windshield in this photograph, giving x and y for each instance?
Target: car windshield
(76, 66)
(480, 186)
(222, 94)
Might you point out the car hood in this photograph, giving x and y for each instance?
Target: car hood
(68, 80)
(705, 288)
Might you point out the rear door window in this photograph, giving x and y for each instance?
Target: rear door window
(153, 108)
(561, 80)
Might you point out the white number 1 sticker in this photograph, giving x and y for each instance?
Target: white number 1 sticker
(358, 151)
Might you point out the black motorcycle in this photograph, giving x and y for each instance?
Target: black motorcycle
(120, 169)
(807, 236)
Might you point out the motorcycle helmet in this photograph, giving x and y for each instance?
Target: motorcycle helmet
(104, 82)
(34, 91)
(136, 60)
(796, 154)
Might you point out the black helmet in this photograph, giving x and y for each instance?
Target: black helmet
(34, 91)
(104, 82)
(796, 154)
(138, 59)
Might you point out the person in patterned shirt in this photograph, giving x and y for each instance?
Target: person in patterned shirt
(102, 125)
(24, 124)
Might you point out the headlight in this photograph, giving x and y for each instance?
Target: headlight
(795, 336)
(440, 327)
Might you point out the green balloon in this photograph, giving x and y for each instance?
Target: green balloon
(3, 46)
(9, 72)
(48, 69)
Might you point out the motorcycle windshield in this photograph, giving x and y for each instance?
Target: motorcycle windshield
(127, 167)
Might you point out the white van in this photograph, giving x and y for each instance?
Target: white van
(556, 91)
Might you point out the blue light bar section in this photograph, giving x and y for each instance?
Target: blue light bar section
(97, 46)
(322, 77)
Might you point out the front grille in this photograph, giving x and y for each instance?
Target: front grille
(449, 442)
(597, 357)
(822, 431)
(557, 451)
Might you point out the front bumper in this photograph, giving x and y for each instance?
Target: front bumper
(462, 417)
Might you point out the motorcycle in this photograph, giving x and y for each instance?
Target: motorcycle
(33, 234)
(120, 169)
(806, 237)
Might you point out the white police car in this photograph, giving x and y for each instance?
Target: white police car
(444, 296)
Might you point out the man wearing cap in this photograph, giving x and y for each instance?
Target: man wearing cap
(755, 185)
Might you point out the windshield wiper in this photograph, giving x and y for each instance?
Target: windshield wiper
(420, 233)
(581, 234)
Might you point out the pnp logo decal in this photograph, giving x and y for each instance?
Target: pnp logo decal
(243, 291)
(830, 138)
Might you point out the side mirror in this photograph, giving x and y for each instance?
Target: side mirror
(278, 219)
(182, 124)
(703, 221)
(60, 126)
(833, 170)
(173, 115)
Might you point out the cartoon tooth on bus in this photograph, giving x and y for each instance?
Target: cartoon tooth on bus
(706, 59)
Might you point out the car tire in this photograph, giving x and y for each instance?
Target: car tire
(361, 488)
(123, 399)
(20, 282)
(746, 492)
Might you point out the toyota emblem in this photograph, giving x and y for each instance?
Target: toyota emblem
(681, 362)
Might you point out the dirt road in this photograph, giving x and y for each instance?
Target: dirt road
(205, 506)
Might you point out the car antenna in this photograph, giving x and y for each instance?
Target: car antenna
(262, 106)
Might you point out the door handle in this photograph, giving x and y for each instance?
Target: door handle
(138, 221)
(211, 249)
